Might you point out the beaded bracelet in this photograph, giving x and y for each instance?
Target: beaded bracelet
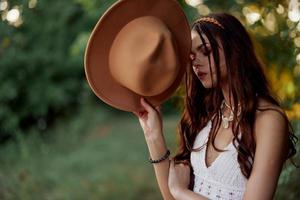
(164, 157)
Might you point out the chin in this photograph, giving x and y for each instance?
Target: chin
(206, 84)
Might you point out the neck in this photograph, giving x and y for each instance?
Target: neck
(229, 101)
(226, 94)
(228, 112)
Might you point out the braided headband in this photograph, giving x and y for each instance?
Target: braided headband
(210, 20)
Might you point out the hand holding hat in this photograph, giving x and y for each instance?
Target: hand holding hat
(137, 49)
(150, 120)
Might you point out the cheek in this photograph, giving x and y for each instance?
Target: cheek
(194, 70)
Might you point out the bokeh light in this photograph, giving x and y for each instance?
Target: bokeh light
(32, 3)
(194, 3)
(203, 9)
(251, 13)
(270, 23)
(13, 15)
(297, 41)
(3, 5)
(294, 12)
(280, 9)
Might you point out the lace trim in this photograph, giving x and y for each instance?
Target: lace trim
(216, 191)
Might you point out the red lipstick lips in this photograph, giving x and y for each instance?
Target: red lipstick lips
(201, 75)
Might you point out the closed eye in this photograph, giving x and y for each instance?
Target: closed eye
(205, 51)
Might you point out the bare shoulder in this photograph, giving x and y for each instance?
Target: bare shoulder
(270, 151)
(269, 121)
(267, 111)
(264, 104)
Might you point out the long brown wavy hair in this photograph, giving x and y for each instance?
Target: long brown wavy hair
(247, 83)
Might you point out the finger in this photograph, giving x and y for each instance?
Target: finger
(139, 114)
(148, 107)
(143, 115)
(184, 162)
(158, 109)
(135, 113)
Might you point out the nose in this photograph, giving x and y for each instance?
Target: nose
(192, 56)
(196, 67)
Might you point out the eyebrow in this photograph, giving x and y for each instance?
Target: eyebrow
(200, 46)
(203, 44)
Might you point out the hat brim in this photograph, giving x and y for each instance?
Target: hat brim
(102, 37)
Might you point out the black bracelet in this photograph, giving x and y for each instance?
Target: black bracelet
(164, 157)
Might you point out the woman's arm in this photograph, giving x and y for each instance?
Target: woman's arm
(271, 147)
(151, 122)
(179, 178)
(157, 148)
(173, 179)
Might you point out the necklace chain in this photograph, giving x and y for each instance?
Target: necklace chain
(226, 120)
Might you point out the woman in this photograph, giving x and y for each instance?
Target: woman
(234, 136)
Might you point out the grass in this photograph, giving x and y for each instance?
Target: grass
(99, 154)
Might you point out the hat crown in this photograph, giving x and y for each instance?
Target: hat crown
(142, 53)
(119, 74)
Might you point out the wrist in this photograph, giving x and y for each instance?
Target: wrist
(154, 137)
(161, 159)
(179, 193)
(157, 147)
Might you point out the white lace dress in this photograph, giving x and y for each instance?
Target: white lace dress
(223, 179)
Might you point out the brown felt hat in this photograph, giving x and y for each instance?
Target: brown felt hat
(138, 48)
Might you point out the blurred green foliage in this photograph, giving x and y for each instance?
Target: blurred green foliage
(41, 68)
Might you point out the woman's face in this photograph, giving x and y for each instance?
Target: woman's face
(200, 64)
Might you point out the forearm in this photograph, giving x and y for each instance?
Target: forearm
(157, 147)
(189, 195)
